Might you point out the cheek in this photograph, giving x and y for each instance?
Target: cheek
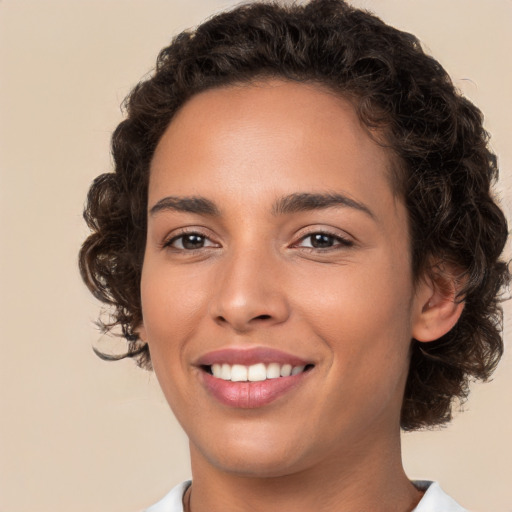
(363, 315)
(171, 302)
(175, 309)
(166, 331)
(167, 321)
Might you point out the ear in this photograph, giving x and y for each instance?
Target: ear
(437, 305)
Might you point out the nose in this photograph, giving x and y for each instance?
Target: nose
(249, 292)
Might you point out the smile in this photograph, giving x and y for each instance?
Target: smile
(254, 373)
(251, 378)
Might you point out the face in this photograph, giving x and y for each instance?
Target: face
(276, 244)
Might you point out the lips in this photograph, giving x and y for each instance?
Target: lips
(251, 378)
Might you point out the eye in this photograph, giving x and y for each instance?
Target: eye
(323, 240)
(190, 242)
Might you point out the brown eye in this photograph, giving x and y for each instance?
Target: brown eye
(324, 241)
(190, 241)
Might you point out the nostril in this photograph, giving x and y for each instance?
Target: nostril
(263, 317)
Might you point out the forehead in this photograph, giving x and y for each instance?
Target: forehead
(291, 137)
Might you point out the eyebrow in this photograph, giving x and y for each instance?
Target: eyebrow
(199, 205)
(294, 203)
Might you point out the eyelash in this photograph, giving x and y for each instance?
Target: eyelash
(169, 243)
(338, 241)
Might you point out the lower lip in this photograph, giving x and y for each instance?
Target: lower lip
(250, 395)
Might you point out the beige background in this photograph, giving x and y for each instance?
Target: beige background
(81, 435)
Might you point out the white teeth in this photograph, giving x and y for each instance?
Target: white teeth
(216, 370)
(286, 370)
(273, 371)
(238, 373)
(254, 373)
(297, 369)
(225, 372)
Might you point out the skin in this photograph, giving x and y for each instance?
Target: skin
(350, 307)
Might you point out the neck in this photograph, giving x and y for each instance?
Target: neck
(375, 481)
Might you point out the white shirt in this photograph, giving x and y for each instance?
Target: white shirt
(434, 499)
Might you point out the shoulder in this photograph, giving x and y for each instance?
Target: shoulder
(171, 502)
(435, 499)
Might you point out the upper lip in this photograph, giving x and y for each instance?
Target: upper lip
(250, 356)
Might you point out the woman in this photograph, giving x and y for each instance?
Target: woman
(300, 238)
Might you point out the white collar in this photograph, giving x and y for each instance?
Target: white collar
(434, 499)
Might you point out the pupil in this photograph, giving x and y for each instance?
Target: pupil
(193, 241)
(321, 240)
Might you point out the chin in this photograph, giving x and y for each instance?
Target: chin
(263, 466)
(254, 456)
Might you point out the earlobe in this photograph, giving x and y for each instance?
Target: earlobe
(438, 307)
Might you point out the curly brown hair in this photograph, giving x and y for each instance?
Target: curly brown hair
(444, 169)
